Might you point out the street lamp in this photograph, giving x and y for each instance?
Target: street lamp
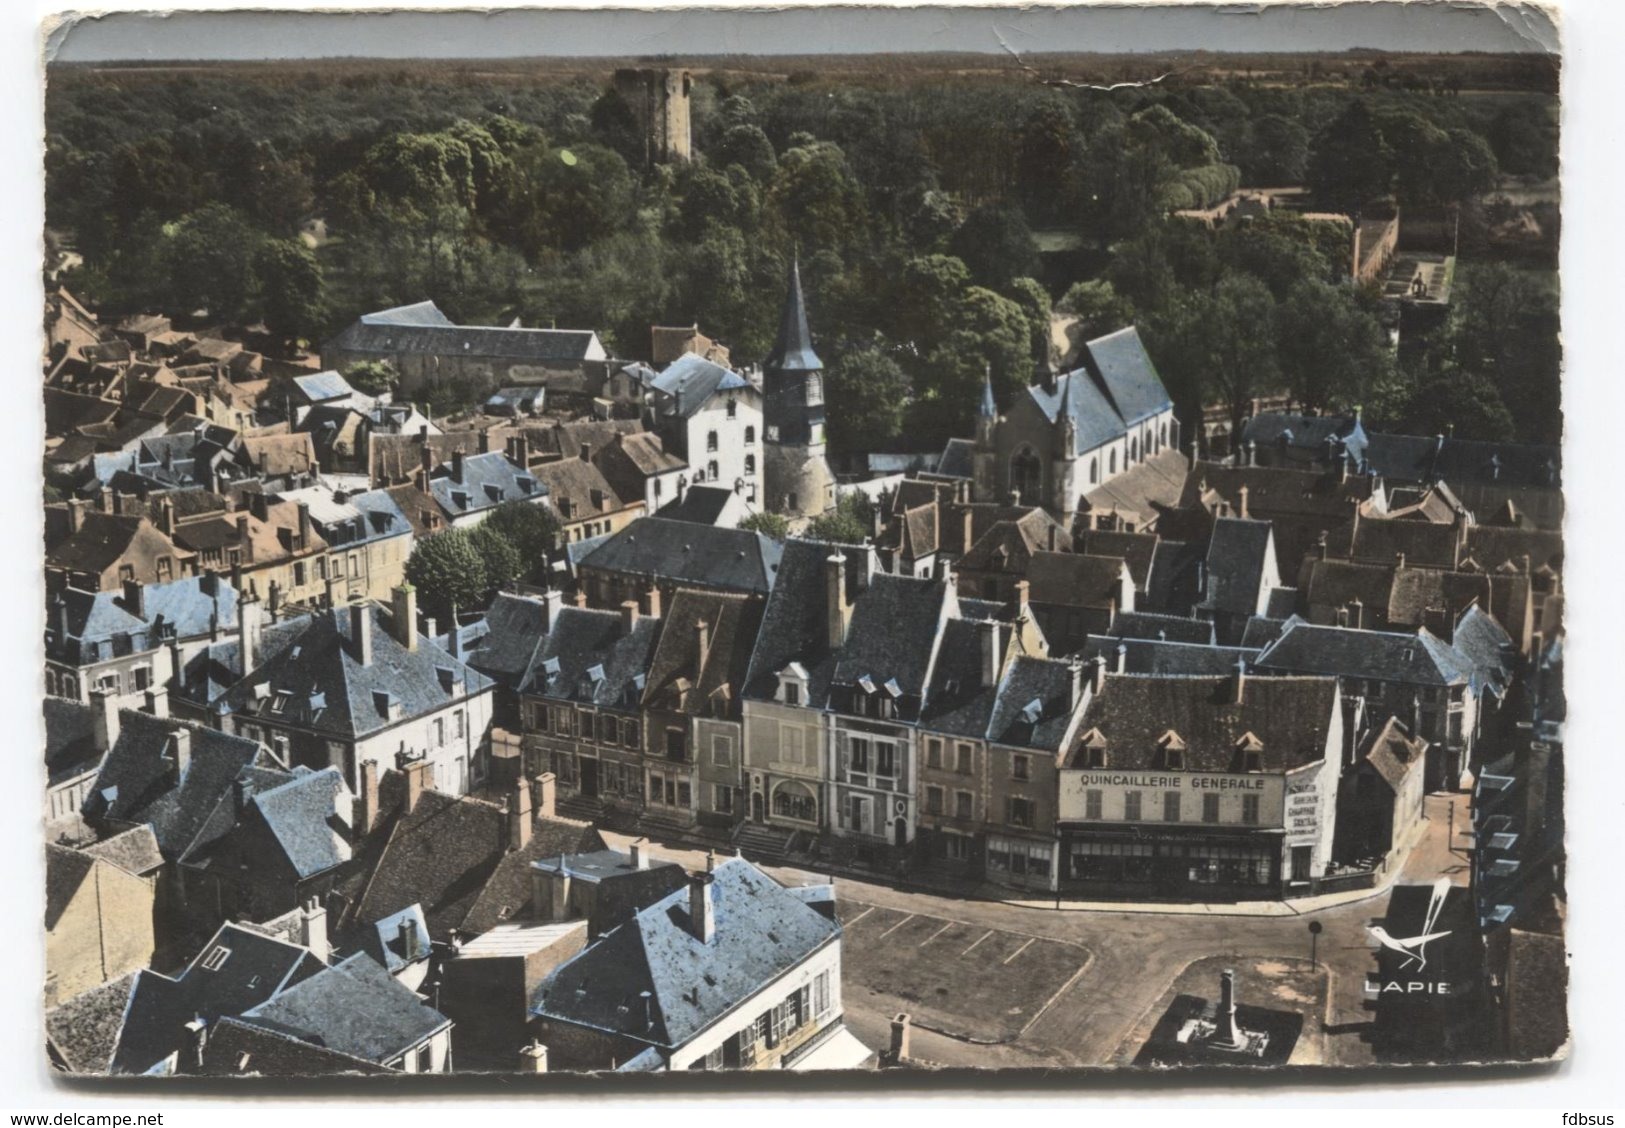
(1314, 941)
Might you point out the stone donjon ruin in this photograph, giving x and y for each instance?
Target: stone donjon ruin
(659, 100)
(796, 476)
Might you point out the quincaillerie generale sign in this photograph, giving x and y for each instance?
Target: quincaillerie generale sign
(1115, 787)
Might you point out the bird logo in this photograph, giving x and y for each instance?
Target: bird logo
(1414, 948)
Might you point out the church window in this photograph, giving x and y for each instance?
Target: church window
(1094, 470)
(1111, 467)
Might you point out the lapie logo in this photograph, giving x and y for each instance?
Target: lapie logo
(1414, 948)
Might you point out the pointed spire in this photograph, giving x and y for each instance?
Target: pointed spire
(793, 350)
(989, 408)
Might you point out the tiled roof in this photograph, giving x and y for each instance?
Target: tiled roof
(894, 631)
(84, 1031)
(1169, 628)
(761, 932)
(714, 678)
(696, 555)
(591, 657)
(1037, 700)
(1393, 753)
(65, 871)
(134, 851)
(70, 738)
(794, 624)
(1072, 579)
(1291, 717)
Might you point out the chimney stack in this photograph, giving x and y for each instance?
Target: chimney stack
(837, 611)
(702, 643)
(902, 1028)
(361, 632)
(409, 938)
(106, 718)
(533, 1058)
(1122, 658)
(987, 634)
(1241, 503)
(519, 816)
(155, 703)
(1023, 597)
(586, 452)
(419, 778)
(1097, 674)
(367, 800)
(179, 753)
(457, 465)
(248, 630)
(639, 851)
(544, 792)
(76, 514)
(135, 598)
(304, 525)
(313, 928)
(404, 624)
(700, 910)
(629, 615)
(651, 601)
(550, 891)
(1238, 682)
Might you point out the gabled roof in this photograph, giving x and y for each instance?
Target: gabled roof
(1167, 628)
(422, 329)
(1072, 579)
(687, 384)
(795, 627)
(84, 1031)
(958, 703)
(133, 851)
(487, 481)
(717, 676)
(137, 783)
(106, 539)
(418, 313)
(65, 871)
(315, 678)
(304, 816)
(515, 627)
(1238, 557)
(1037, 702)
(893, 635)
(1116, 388)
(695, 555)
(957, 459)
(70, 739)
(699, 505)
(1167, 657)
(591, 657)
(241, 1049)
(1292, 717)
(1394, 753)
(322, 386)
(1488, 649)
(761, 932)
(354, 1007)
(1269, 429)
(1417, 659)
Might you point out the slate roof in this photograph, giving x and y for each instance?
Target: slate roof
(1073, 579)
(352, 518)
(241, 1049)
(1116, 388)
(1167, 658)
(590, 657)
(1416, 659)
(761, 932)
(1237, 558)
(893, 635)
(1172, 585)
(422, 329)
(515, 627)
(793, 350)
(714, 679)
(256, 968)
(314, 671)
(354, 1007)
(1037, 700)
(1488, 649)
(506, 893)
(134, 851)
(102, 541)
(699, 505)
(1292, 718)
(1169, 628)
(957, 702)
(1145, 490)
(301, 815)
(1463, 462)
(321, 386)
(794, 624)
(956, 460)
(136, 784)
(1272, 429)
(695, 555)
(84, 1031)
(70, 739)
(487, 481)
(688, 383)
(1262, 630)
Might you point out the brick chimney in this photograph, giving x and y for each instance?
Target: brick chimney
(457, 465)
(1241, 503)
(629, 615)
(248, 630)
(638, 851)
(1238, 682)
(838, 612)
(179, 752)
(361, 632)
(135, 598)
(987, 637)
(550, 891)
(544, 795)
(419, 778)
(76, 514)
(155, 703)
(651, 601)
(1097, 674)
(701, 911)
(533, 1058)
(404, 623)
(1023, 598)
(313, 928)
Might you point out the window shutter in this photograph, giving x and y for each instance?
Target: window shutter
(775, 1032)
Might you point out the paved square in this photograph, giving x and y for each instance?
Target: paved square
(966, 980)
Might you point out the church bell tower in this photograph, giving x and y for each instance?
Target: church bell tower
(797, 479)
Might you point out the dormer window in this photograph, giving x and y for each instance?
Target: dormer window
(1093, 750)
(1250, 753)
(1173, 751)
(793, 685)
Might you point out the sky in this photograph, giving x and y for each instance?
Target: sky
(805, 30)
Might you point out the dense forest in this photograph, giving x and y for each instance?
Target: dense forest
(912, 201)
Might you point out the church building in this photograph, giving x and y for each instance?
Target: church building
(796, 478)
(1071, 433)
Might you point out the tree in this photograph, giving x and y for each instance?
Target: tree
(1276, 152)
(1460, 403)
(1099, 308)
(928, 290)
(773, 525)
(1504, 328)
(996, 244)
(530, 529)
(1330, 350)
(449, 573)
(1349, 162)
(289, 283)
(499, 559)
(208, 259)
(372, 377)
(747, 146)
(867, 393)
(815, 201)
(847, 523)
(1034, 302)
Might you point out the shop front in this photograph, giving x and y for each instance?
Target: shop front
(1175, 865)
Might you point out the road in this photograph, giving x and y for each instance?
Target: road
(1138, 955)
